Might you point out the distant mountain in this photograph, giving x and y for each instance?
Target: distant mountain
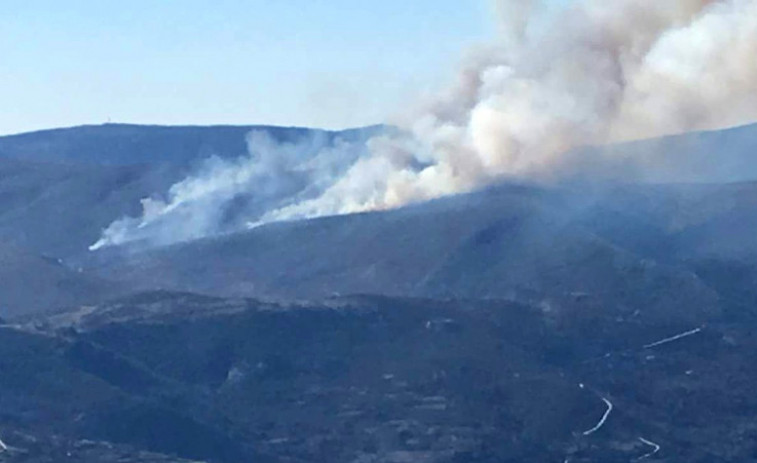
(123, 144)
(715, 156)
(60, 188)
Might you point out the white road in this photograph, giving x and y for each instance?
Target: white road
(673, 338)
(651, 444)
(603, 420)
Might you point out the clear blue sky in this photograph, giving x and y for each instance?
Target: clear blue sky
(327, 63)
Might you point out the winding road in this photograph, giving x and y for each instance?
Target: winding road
(603, 420)
(651, 444)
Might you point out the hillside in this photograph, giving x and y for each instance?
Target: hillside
(649, 245)
(374, 379)
(58, 209)
(630, 247)
(31, 283)
(60, 188)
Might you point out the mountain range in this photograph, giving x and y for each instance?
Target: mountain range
(489, 326)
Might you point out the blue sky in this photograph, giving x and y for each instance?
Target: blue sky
(326, 63)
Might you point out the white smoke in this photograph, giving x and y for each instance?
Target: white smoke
(225, 194)
(600, 72)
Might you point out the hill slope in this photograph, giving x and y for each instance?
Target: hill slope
(377, 379)
(30, 283)
(635, 248)
(59, 209)
(60, 188)
(642, 245)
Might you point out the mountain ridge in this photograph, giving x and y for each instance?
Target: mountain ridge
(135, 144)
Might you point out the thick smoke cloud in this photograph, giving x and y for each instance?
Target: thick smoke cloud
(603, 72)
(600, 72)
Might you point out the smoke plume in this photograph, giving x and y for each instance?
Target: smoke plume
(224, 195)
(602, 72)
(597, 73)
